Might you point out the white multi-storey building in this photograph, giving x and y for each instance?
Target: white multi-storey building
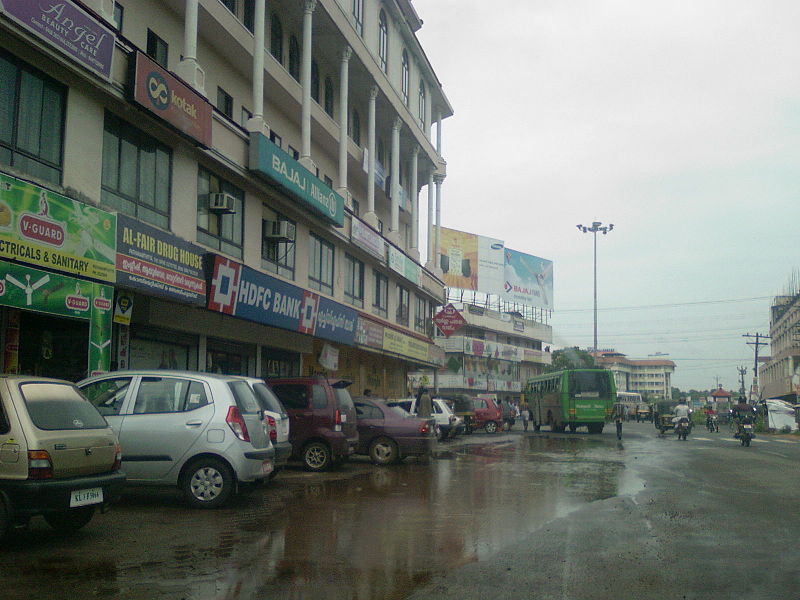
(240, 176)
(780, 376)
(650, 378)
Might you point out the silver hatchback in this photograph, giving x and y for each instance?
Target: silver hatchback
(199, 431)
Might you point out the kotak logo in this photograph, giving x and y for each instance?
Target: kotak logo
(158, 90)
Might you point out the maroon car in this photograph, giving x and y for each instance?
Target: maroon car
(388, 434)
(488, 414)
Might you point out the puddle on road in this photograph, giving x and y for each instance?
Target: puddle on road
(377, 535)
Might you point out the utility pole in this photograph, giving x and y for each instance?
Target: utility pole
(755, 393)
(742, 371)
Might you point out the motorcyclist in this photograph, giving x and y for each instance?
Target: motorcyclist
(682, 412)
(742, 413)
(711, 416)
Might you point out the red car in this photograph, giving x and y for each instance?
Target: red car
(388, 434)
(488, 413)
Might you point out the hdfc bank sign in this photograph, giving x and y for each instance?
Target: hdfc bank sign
(163, 94)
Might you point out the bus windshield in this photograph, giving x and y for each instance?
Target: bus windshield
(589, 384)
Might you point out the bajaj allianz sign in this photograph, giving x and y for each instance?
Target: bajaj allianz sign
(272, 163)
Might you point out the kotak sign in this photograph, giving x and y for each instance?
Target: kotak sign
(449, 320)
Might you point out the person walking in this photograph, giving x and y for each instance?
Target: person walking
(424, 404)
(526, 416)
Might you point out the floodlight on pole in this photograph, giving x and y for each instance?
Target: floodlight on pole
(604, 229)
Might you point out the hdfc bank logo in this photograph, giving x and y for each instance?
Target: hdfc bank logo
(224, 285)
(157, 90)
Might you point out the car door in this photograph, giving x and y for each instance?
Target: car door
(369, 423)
(295, 398)
(165, 418)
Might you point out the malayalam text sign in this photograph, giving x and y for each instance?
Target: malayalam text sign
(449, 320)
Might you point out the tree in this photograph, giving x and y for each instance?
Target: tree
(571, 358)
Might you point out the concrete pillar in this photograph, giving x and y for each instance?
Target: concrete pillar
(430, 263)
(428, 111)
(305, 82)
(187, 68)
(344, 114)
(439, 134)
(414, 200)
(394, 228)
(370, 217)
(438, 180)
(256, 122)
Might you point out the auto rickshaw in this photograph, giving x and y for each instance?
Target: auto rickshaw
(644, 412)
(464, 408)
(663, 413)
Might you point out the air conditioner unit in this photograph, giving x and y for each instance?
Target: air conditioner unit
(221, 203)
(279, 230)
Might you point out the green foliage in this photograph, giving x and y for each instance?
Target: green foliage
(571, 358)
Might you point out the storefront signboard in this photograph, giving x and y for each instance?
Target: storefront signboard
(404, 345)
(67, 27)
(159, 263)
(243, 292)
(366, 238)
(369, 333)
(157, 90)
(123, 308)
(496, 350)
(46, 229)
(400, 263)
(273, 164)
(40, 291)
(374, 335)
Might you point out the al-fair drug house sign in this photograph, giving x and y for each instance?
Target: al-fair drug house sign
(273, 164)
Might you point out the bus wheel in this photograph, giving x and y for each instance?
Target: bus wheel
(536, 427)
(573, 428)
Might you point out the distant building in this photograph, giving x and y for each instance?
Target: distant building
(494, 353)
(650, 378)
(780, 375)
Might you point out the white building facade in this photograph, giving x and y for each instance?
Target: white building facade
(650, 378)
(780, 376)
(222, 185)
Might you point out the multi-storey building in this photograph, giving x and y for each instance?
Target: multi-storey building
(222, 185)
(494, 352)
(650, 378)
(780, 376)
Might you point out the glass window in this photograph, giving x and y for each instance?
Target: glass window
(422, 103)
(320, 265)
(168, 394)
(249, 15)
(294, 396)
(358, 16)
(329, 96)
(315, 81)
(59, 406)
(404, 77)
(245, 397)
(354, 280)
(137, 172)
(119, 15)
(403, 302)
(32, 110)
(107, 395)
(421, 315)
(276, 38)
(383, 41)
(219, 230)
(380, 298)
(355, 127)
(224, 103)
(246, 116)
(319, 399)
(368, 411)
(267, 399)
(294, 58)
(157, 49)
(277, 253)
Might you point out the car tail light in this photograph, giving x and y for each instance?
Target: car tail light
(337, 421)
(39, 465)
(273, 429)
(117, 458)
(237, 424)
(424, 428)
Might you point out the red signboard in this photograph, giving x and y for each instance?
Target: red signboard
(449, 320)
(163, 94)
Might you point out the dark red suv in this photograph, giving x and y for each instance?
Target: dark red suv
(322, 419)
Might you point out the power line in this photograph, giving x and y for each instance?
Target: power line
(671, 305)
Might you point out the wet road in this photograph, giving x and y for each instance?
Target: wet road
(511, 515)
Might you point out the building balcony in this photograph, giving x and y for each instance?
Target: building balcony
(495, 350)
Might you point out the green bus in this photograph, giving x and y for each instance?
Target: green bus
(572, 398)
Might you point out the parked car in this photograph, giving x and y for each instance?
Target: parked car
(199, 431)
(276, 419)
(323, 419)
(58, 456)
(447, 423)
(488, 414)
(388, 434)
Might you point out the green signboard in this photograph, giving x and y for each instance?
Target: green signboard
(277, 167)
(40, 291)
(46, 229)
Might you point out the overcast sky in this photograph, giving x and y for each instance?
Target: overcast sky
(677, 121)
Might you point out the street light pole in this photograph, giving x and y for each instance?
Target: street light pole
(604, 229)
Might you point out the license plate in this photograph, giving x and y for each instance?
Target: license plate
(267, 467)
(748, 426)
(86, 497)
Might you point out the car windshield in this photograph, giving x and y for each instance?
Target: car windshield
(268, 400)
(245, 397)
(59, 406)
(400, 411)
(589, 383)
(343, 396)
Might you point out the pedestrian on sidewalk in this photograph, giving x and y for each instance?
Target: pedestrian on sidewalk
(526, 416)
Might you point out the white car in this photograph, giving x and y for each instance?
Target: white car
(276, 420)
(447, 423)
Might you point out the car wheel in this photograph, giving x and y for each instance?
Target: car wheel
(207, 483)
(70, 520)
(317, 456)
(383, 451)
(490, 427)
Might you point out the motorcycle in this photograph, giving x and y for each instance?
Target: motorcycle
(746, 433)
(682, 428)
(712, 424)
